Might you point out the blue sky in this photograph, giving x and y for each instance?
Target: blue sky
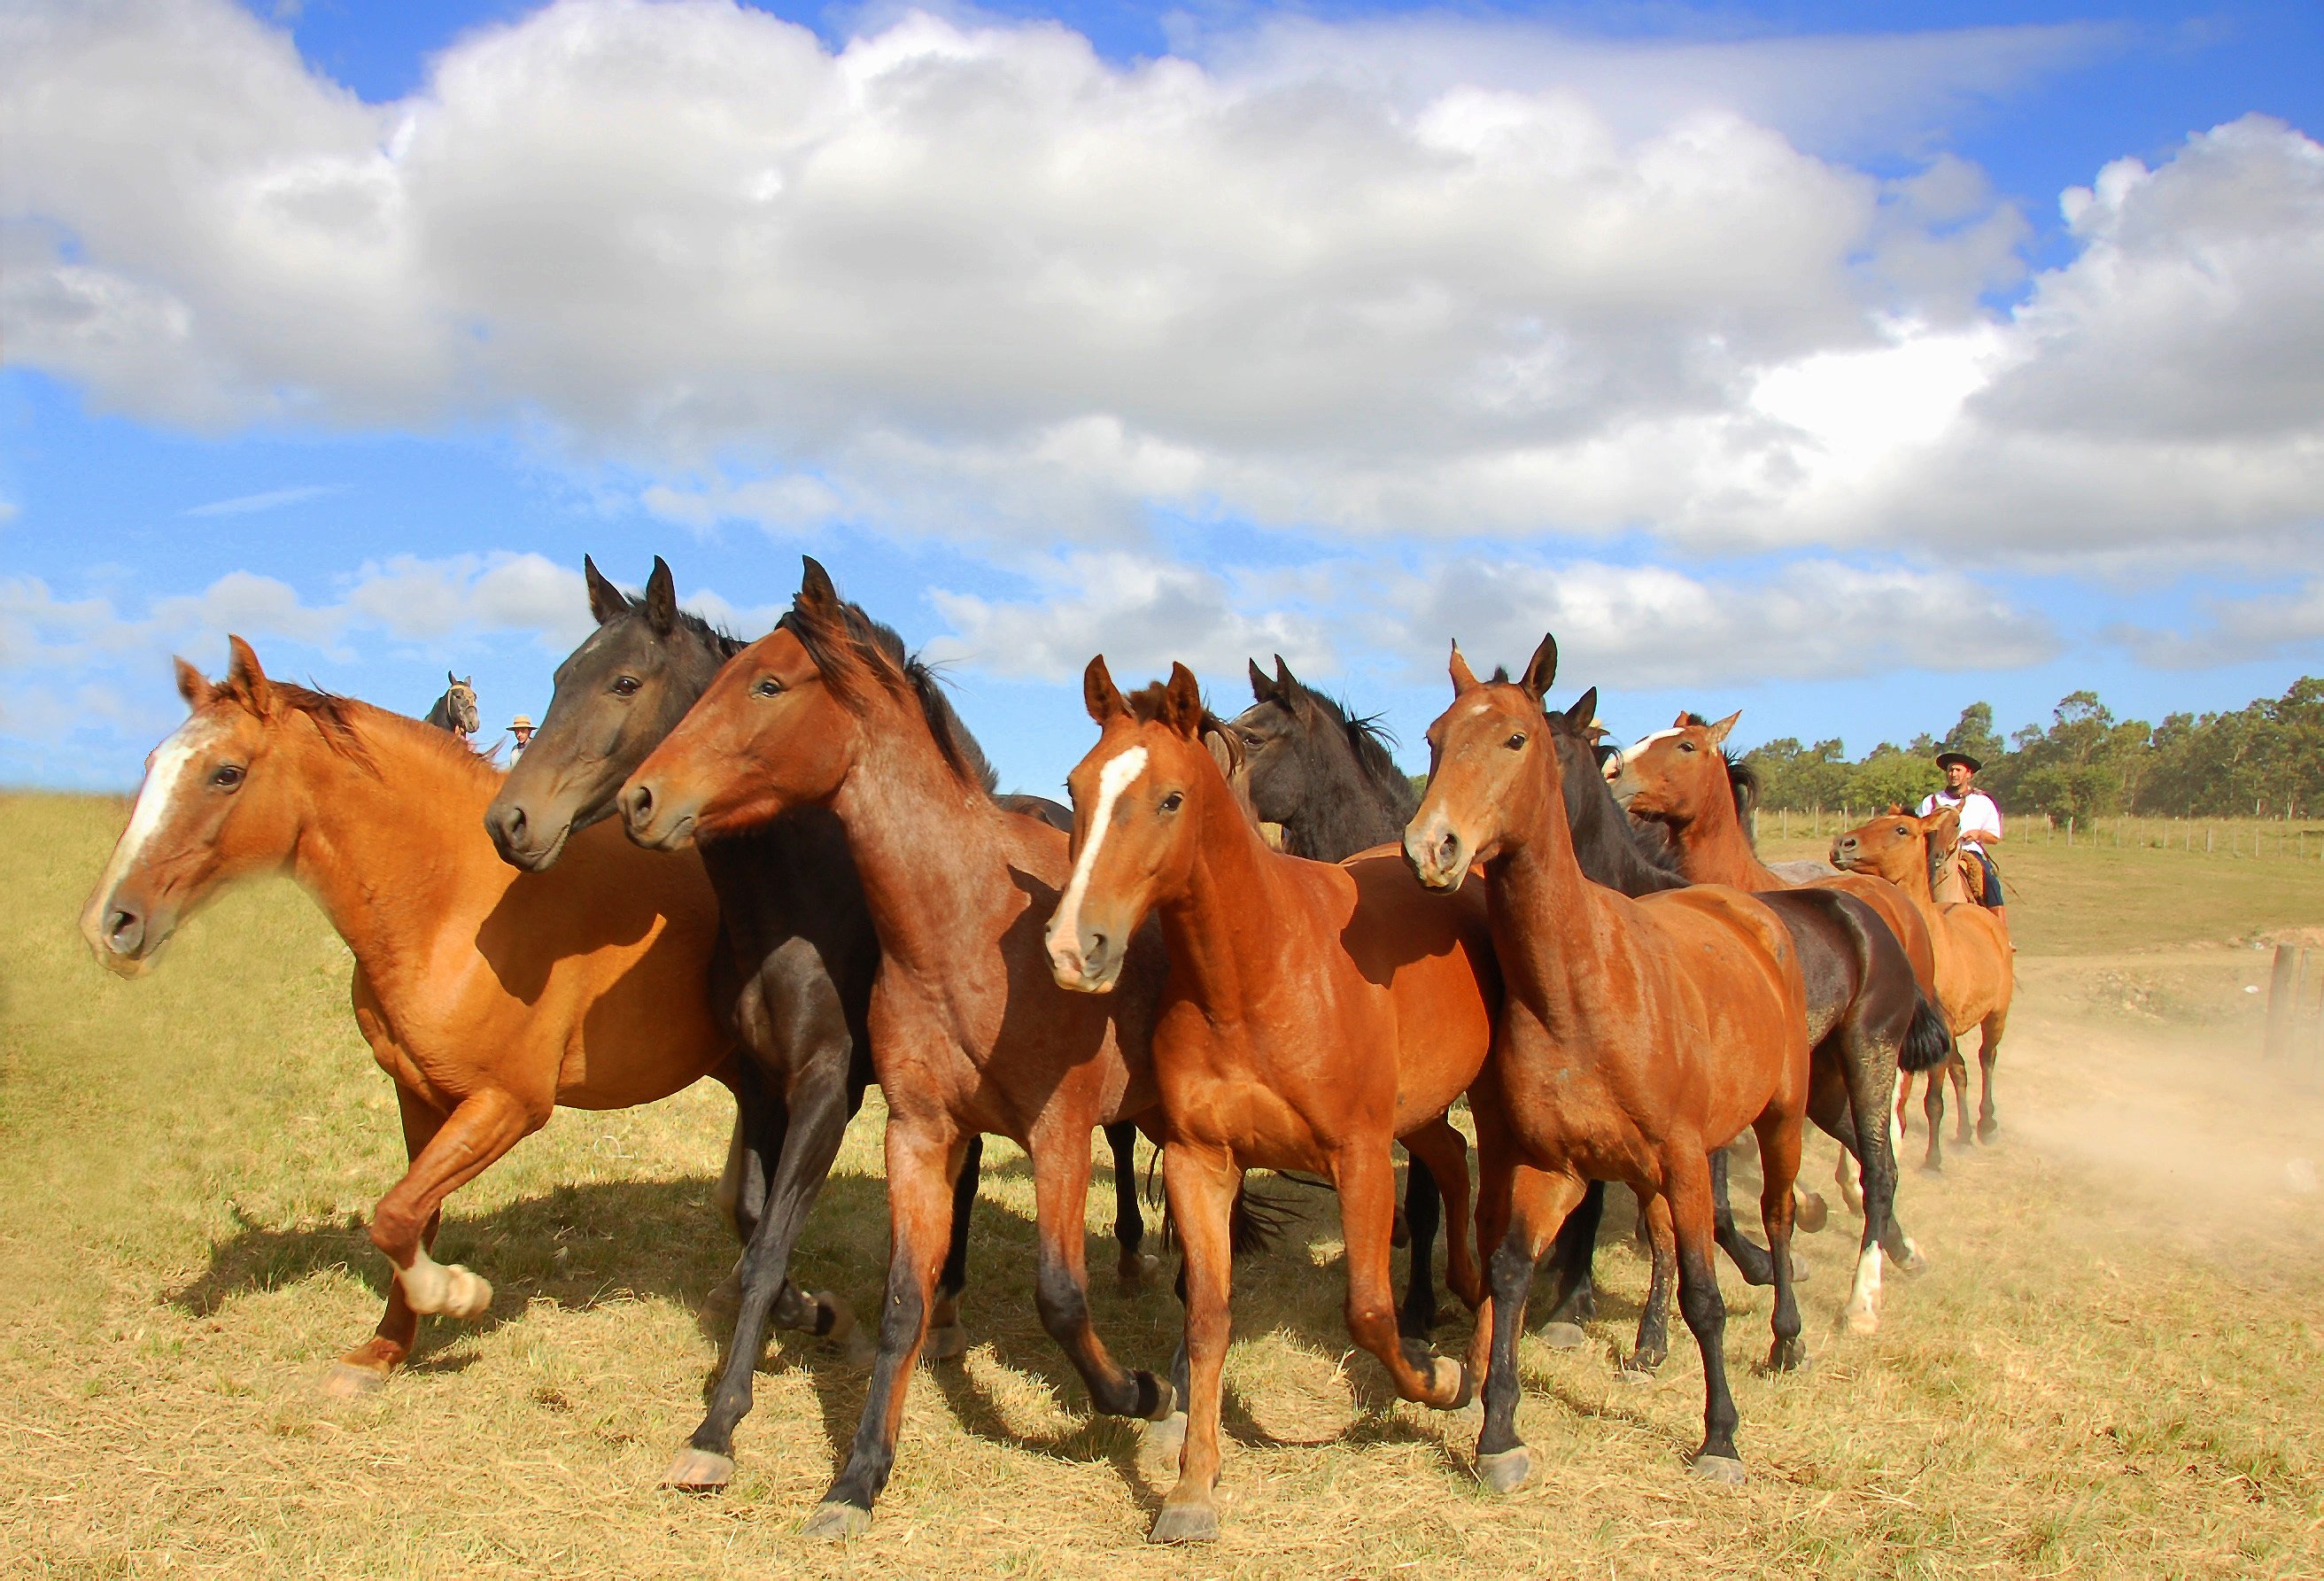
(1845, 377)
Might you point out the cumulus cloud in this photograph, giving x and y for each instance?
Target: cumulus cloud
(2233, 631)
(1143, 613)
(1649, 627)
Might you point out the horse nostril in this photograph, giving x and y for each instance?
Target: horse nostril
(125, 931)
(637, 806)
(512, 823)
(1094, 948)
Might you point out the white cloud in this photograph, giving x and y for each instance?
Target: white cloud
(2233, 631)
(1650, 626)
(433, 600)
(271, 499)
(1141, 613)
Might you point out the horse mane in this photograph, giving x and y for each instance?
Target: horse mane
(1327, 827)
(342, 723)
(847, 648)
(713, 636)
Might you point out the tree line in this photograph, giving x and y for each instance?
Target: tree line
(2265, 759)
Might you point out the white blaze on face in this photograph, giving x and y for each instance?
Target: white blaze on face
(1622, 758)
(1065, 927)
(165, 779)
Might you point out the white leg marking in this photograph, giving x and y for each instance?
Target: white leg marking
(432, 1287)
(1065, 927)
(1863, 1310)
(164, 778)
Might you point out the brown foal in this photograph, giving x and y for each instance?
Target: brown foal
(968, 1035)
(1313, 1013)
(489, 996)
(1637, 1035)
(1976, 963)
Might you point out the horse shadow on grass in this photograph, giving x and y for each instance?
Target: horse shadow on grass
(583, 1246)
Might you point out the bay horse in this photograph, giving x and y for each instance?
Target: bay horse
(1976, 963)
(1635, 1037)
(799, 954)
(455, 710)
(968, 1034)
(1312, 1015)
(1326, 777)
(489, 997)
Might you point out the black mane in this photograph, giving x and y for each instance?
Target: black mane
(1353, 798)
(1611, 849)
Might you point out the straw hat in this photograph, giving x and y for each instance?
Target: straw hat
(521, 722)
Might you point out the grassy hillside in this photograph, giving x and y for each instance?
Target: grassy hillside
(2114, 1366)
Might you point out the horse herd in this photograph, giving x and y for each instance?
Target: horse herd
(1246, 939)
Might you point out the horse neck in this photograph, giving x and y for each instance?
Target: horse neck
(1346, 809)
(1552, 928)
(1604, 846)
(1948, 890)
(1714, 847)
(387, 850)
(1234, 892)
(927, 843)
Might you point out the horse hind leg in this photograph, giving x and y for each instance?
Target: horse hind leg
(1420, 1218)
(1574, 1295)
(1779, 1160)
(1687, 1186)
(1133, 1262)
(1652, 1346)
(1755, 1264)
(1958, 1072)
(1989, 1121)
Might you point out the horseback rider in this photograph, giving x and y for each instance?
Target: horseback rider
(1980, 821)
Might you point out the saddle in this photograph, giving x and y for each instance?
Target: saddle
(1972, 874)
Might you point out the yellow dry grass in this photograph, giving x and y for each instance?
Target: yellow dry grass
(2113, 1368)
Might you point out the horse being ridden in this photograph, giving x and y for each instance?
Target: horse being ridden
(1313, 1013)
(794, 976)
(1635, 1037)
(1977, 967)
(968, 1034)
(488, 997)
(455, 710)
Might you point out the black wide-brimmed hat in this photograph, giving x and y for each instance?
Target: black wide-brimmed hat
(1946, 759)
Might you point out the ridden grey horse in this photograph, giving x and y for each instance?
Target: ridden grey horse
(455, 710)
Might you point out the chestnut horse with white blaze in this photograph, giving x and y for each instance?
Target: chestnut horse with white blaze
(1314, 1014)
(968, 1033)
(1976, 966)
(1635, 1037)
(489, 996)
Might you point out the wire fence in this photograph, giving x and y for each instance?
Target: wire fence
(2234, 839)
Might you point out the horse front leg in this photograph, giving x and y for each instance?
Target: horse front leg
(1202, 1184)
(367, 1366)
(1536, 1205)
(1364, 1175)
(1061, 1171)
(923, 1158)
(808, 1126)
(1988, 1120)
(1132, 1263)
(1574, 1295)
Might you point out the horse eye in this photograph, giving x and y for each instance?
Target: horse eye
(625, 686)
(1686, 746)
(226, 777)
(1172, 802)
(767, 687)
(1515, 742)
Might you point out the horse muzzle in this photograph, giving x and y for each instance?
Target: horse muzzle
(529, 844)
(1088, 963)
(1844, 852)
(125, 935)
(1437, 855)
(652, 819)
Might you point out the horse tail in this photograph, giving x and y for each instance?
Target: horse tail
(1257, 1221)
(1927, 1040)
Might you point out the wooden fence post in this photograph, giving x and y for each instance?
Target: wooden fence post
(2281, 1002)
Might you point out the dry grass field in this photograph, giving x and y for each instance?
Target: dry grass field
(2115, 1366)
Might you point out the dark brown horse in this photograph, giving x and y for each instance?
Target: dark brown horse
(794, 978)
(968, 1033)
(1313, 1013)
(490, 997)
(1635, 1037)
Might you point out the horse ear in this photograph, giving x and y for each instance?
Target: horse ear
(1182, 702)
(1284, 680)
(1463, 678)
(1719, 731)
(450, 678)
(1099, 694)
(1261, 688)
(662, 597)
(192, 685)
(1541, 670)
(1680, 722)
(815, 590)
(605, 600)
(244, 676)
(1583, 711)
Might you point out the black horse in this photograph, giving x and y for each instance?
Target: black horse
(796, 983)
(1326, 777)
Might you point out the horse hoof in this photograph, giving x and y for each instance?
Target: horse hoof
(724, 1299)
(833, 1521)
(699, 1471)
(855, 1347)
(466, 1294)
(1913, 1261)
(1801, 1273)
(1636, 1374)
(1987, 1130)
(1163, 1439)
(1184, 1523)
(344, 1381)
(1506, 1472)
(1931, 1167)
(1165, 1399)
(1449, 1379)
(1860, 1320)
(1132, 1269)
(1787, 1355)
(1719, 1468)
(1810, 1213)
(944, 1343)
(1564, 1335)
